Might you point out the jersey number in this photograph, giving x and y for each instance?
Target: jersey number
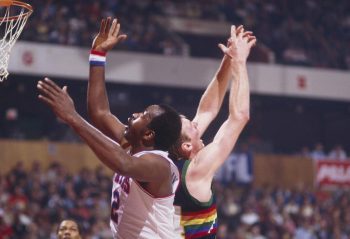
(115, 207)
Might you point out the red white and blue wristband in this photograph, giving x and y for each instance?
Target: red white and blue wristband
(97, 58)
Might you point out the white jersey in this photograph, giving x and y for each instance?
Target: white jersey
(137, 214)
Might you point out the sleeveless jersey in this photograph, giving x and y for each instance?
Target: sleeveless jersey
(137, 214)
(193, 219)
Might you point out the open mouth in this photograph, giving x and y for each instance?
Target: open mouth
(130, 120)
(126, 129)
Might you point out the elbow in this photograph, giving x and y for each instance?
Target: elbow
(93, 118)
(245, 116)
(96, 115)
(212, 115)
(91, 112)
(242, 117)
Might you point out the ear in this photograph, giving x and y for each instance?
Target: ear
(148, 137)
(186, 148)
(149, 134)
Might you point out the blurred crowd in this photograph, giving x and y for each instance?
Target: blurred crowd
(311, 33)
(275, 213)
(33, 202)
(77, 23)
(318, 152)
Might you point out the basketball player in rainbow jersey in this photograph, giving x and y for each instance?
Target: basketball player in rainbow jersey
(195, 213)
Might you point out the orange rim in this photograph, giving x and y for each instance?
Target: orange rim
(5, 3)
(8, 3)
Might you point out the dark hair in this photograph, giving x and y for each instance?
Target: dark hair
(174, 150)
(70, 219)
(167, 127)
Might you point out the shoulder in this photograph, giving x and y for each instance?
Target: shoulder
(155, 159)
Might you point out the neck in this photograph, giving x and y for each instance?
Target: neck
(137, 149)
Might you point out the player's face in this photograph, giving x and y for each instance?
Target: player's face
(138, 122)
(190, 129)
(68, 230)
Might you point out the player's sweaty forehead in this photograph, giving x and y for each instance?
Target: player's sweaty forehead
(153, 110)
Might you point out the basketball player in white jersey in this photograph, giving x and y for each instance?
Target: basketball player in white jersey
(139, 208)
(145, 179)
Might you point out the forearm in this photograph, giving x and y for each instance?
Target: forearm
(97, 95)
(98, 105)
(213, 96)
(239, 101)
(108, 152)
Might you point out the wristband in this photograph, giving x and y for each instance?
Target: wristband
(97, 58)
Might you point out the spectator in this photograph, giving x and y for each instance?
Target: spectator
(277, 213)
(318, 152)
(337, 153)
(68, 229)
(299, 31)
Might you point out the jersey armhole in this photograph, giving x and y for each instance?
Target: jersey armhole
(183, 184)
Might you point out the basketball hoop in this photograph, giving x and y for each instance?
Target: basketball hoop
(14, 15)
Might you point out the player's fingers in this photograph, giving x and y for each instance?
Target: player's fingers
(239, 29)
(229, 42)
(247, 33)
(113, 31)
(116, 28)
(240, 35)
(52, 85)
(122, 37)
(45, 88)
(102, 26)
(107, 26)
(250, 38)
(233, 32)
(252, 42)
(46, 100)
(223, 48)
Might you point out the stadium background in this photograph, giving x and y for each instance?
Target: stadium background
(300, 111)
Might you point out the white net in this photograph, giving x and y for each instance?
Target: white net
(11, 27)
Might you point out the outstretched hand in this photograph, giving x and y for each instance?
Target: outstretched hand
(239, 44)
(57, 99)
(108, 35)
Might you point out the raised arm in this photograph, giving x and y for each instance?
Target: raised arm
(110, 153)
(213, 96)
(97, 100)
(211, 157)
